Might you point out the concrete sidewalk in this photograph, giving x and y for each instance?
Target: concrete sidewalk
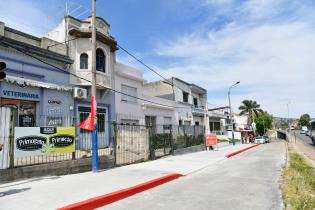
(58, 191)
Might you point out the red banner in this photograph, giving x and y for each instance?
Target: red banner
(89, 122)
(211, 139)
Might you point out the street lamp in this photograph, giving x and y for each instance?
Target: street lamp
(233, 141)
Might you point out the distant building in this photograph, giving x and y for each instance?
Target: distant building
(191, 98)
(219, 119)
(240, 122)
(131, 109)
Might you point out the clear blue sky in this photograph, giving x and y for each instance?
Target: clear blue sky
(267, 45)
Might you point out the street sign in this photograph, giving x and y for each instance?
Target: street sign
(211, 140)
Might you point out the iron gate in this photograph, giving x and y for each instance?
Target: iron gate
(161, 141)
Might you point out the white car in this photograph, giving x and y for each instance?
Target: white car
(260, 140)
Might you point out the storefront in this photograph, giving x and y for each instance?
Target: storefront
(36, 103)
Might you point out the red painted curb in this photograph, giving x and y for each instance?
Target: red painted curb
(239, 151)
(103, 200)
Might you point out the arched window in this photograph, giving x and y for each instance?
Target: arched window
(84, 60)
(100, 60)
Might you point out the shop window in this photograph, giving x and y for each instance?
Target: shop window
(25, 112)
(100, 60)
(84, 61)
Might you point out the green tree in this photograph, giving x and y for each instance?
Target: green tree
(263, 123)
(250, 108)
(304, 120)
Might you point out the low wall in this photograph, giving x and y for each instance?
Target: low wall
(191, 149)
(197, 148)
(54, 169)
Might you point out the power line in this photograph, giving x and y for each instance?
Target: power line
(148, 67)
(47, 63)
(62, 42)
(151, 69)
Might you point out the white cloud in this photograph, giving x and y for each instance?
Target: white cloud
(272, 57)
(27, 16)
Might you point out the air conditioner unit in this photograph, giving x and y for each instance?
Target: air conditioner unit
(80, 93)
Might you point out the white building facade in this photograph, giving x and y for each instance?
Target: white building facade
(133, 106)
(77, 36)
(191, 100)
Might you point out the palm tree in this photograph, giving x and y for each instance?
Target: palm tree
(251, 108)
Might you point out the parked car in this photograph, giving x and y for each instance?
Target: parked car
(303, 130)
(307, 133)
(260, 140)
(267, 139)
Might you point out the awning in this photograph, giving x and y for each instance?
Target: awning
(35, 83)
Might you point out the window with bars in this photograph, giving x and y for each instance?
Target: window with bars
(101, 117)
(130, 92)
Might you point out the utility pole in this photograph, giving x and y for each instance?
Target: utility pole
(233, 140)
(289, 121)
(93, 90)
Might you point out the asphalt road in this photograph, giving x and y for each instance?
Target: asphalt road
(306, 140)
(250, 180)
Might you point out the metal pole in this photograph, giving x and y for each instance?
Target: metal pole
(93, 90)
(233, 140)
(289, 122)
(231, 122)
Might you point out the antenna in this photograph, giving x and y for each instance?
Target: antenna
(76, 10)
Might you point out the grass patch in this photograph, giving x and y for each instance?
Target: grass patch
(222, 140)
(235, 140)
(299, 184)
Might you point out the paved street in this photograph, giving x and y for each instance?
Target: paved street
(305, 139)
(303, 145)
(59, 191)
(247, 181)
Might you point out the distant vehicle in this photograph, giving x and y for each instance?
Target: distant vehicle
(267, 139)
(307, 133)
(302, 132)
(260, 140)
(312, 130)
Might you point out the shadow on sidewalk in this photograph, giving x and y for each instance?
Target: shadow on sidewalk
(13, 191)
(30, 180)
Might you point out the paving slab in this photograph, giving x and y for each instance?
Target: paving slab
(58, 191)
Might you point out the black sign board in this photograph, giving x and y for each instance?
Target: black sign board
(61, 140)
(26, 120)
(30, 143)
(48, 130)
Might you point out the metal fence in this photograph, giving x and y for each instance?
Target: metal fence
(83, 141)
(125, 143)
(131, 143)
(137, 143)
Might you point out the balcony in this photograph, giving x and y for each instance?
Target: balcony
(218, 115)
(200, 111)
(103, 80)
